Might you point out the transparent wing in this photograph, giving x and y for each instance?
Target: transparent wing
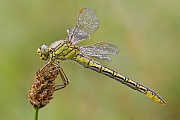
(99, 50)
(55, 44)
(87, 23)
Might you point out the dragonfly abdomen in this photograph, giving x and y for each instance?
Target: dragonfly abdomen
(95, 66)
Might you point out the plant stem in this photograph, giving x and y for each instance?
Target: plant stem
(36, 114)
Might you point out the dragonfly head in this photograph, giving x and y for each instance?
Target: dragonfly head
(43, 52)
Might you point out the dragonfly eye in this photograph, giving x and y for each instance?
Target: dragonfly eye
(43, 52)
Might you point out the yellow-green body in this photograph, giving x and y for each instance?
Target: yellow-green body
(66, 50)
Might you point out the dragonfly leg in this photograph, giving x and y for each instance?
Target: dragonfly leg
(64, 79)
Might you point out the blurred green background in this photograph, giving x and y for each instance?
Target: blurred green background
(147, 34)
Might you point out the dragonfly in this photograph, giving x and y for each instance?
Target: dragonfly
(87, 23)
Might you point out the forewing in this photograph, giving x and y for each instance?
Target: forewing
(87, 23)
(99, 50)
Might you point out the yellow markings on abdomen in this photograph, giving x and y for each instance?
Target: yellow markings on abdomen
(151, 94)
(95, 66)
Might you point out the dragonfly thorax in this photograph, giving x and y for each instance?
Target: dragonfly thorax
(43, 52)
